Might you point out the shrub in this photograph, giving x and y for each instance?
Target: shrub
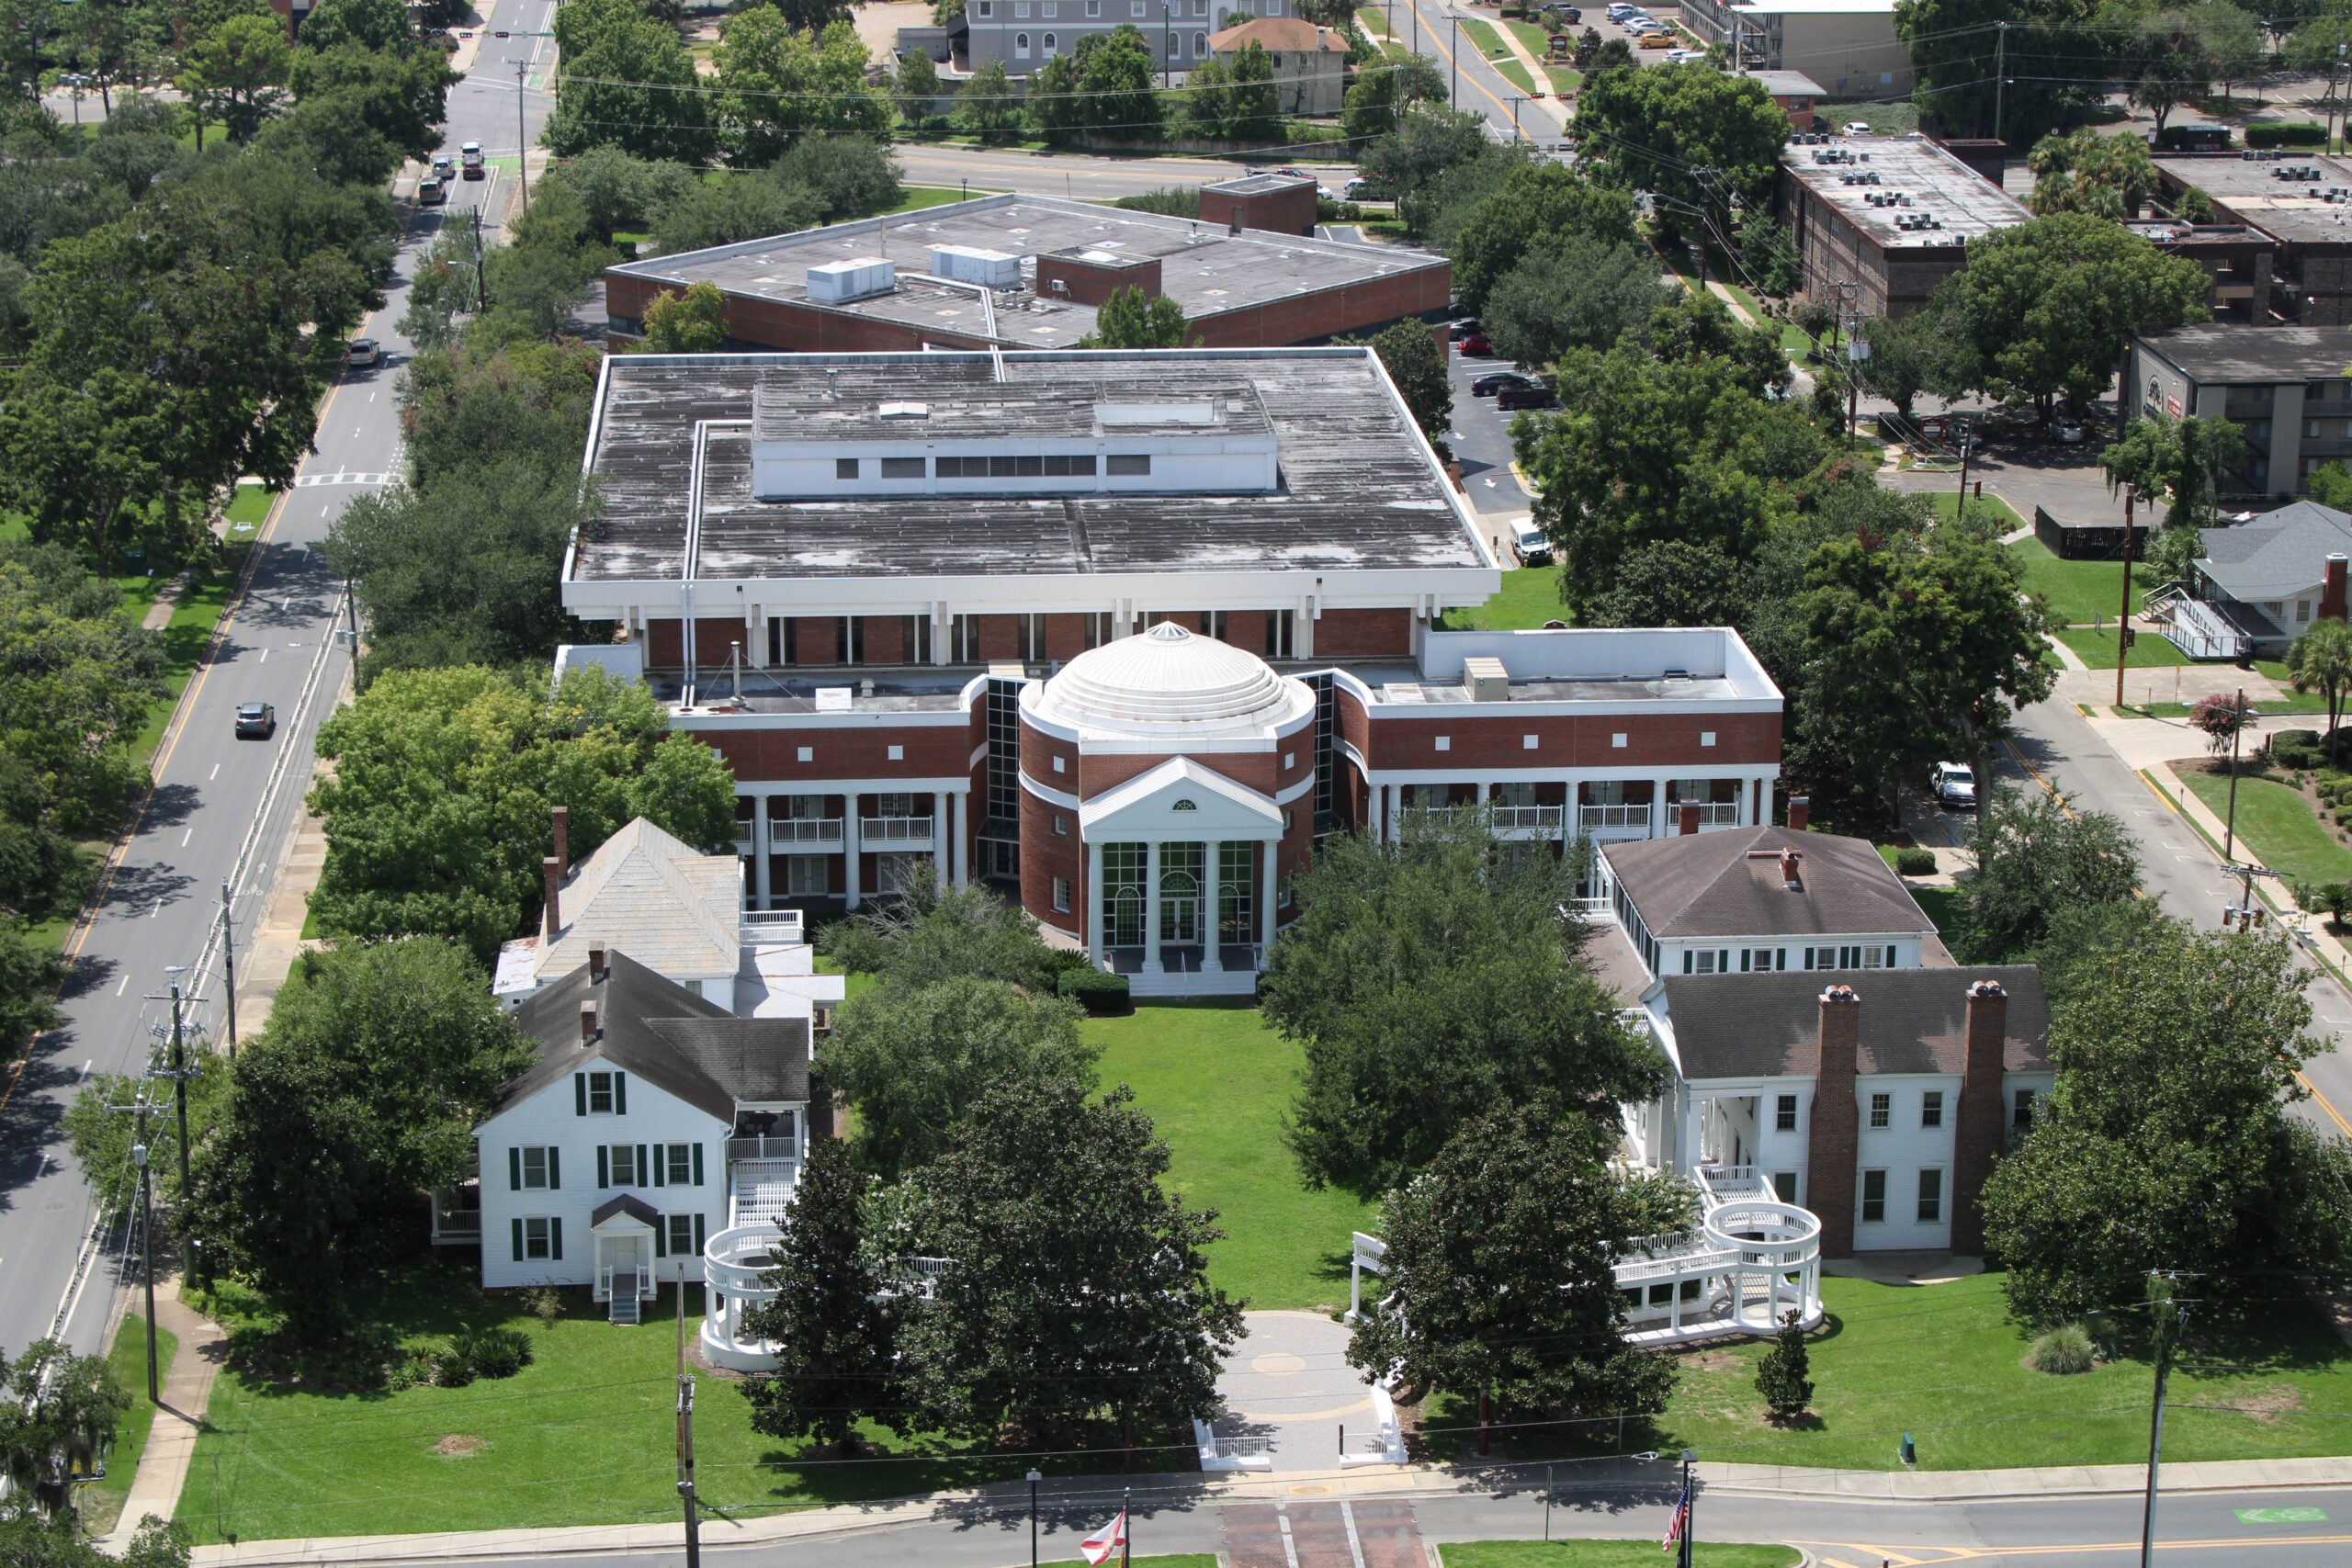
(1097, 992)
(1782, 1377)
(1173, 201)
(544, 1302)
(493, 1352)
(1914, 860)
(451, 1369)
(2298, 134)
(2296, 748)
(2062, 1352)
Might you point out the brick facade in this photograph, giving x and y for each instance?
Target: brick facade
(1364, 633)
(1085, 282)
(1983, 1122)
(772, 756)
(1289, 209)
(1836, 1132)
(1046, 855)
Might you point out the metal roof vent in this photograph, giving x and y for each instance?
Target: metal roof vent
(906, 410)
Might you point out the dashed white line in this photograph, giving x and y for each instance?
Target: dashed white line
(185, 836)
(157, 910)
(86, 1067)
(265, 655)
(124, 984)
(1355, 1547)
(213, 774)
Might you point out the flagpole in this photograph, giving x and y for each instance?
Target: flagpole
(1689, 1511)
(1126, 1518)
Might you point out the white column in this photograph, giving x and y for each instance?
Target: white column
(1214, 882)
(959, 862)
(1659, 826)
(851, 846)
(939, 835)
(760, 849)
(1376, 797)
(1151, 965)
(1389, 814)
(1093, 924)
(1266, 901)
(755, 637)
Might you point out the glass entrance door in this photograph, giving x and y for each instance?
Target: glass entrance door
(1179, 908)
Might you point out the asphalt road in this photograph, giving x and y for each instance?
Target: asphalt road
(1428, 27)
(213, 813)
(2088, 1532)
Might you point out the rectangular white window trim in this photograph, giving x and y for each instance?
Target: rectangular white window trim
(1931, 1197)
(600, 1099)
(806, 754)
(1443, 743)
(1931, 1109)
(1874, 1197)
(678, 1162)
(1061, 895)
(1706, 738)
(1882, 1111)
(681, 1233)
(623, 1164)
(534, 1164)
(1618, 741)
(898, 753)
(1061, 826)
(1784, 1114)
(1529, 742)
(536, 1239)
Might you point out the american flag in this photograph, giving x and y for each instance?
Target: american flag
(1681, 1520)
(1107, 1542)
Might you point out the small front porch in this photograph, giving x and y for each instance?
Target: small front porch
(1191, 969)
(622, 1231)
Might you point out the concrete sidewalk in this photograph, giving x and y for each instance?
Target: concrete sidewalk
(171, 1441)
(1859, 1487)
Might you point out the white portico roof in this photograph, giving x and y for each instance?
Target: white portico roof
(1188, 795)
(1171, 687)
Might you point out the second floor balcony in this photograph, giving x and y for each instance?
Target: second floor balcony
(894, 832)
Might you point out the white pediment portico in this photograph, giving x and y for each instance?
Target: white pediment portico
(1181, 799)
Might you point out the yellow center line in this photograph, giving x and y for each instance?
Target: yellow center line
(1431, 33)
(80, 936)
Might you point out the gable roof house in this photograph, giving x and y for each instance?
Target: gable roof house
(651, 1121)
(1310, 63)
(2260, 584)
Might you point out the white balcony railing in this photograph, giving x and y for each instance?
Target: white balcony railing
(913, 832)
(786, 1147)
(803, 830)
(1711, 814)
(771, 928)
(1540, 818)
(1590, 818)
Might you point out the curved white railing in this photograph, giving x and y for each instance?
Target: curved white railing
(734, 1263)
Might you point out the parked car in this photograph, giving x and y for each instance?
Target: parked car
(2069, 431)
(1531, 395)
(1494, 381)
(1362, 190)
(1685, 56)
(256, 721)
(1462, 327)
(1528, 541)
(1640, 24)
(1656, 40)
(363, 354)
(1474, 344)
(1858, 128)
(1619, 10)
(1953, 785)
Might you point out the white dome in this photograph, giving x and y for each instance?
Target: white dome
(1170, 682)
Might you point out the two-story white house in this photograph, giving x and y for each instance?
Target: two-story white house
(651, 1120)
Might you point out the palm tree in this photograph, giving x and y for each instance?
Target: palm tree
(2321, 660)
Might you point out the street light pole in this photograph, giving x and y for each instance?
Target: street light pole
(522, 136)
(229, 963)
(2229, 826)
(1453, 92)
(1033, 1479)
(2123, 616)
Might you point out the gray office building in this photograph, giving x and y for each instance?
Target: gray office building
(1024, 34)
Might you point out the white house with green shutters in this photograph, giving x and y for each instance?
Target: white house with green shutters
(651, 1120)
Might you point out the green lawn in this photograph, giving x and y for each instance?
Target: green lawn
(1606, 1554)
(2277, 825)
(914, 199)
(1990, 510)
(1372, 19)
(1216, 1082)
(2079, 593)
(2097, 649)
(2285, 703)
(1530, 596)
(1940, 904)
(102, 1501)
(1488, 42)
(1944, 1363)
(584, 1435)
(1537, 41)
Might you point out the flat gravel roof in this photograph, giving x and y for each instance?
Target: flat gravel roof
(2255, 191)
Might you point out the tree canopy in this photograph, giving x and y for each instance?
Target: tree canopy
(1572, 291)
(1700, 139)
(1132, 319)
(1425, 984)
(2036, 857)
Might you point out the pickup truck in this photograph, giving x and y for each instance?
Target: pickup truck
(470, 160)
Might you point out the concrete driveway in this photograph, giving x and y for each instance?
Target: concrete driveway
(1289, 1382)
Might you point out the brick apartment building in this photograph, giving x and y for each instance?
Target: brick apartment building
(2302, 203)
(1125, 632)
(1027, 272)
(2235, 256)
(2284, 388)
(1884, 219)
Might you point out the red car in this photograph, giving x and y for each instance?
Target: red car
(1476, 343)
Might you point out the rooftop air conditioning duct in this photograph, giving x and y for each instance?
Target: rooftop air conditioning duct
(860, 277)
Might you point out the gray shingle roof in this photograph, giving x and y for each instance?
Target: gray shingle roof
(647, 894)
(1914, 1020)
(2277, 555)
(657, 1030)
(1708, 884)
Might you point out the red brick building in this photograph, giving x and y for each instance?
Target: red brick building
(1125, 632)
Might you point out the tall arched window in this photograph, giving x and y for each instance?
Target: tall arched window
(1200, 46)
(1051, 47)
(1021, 46)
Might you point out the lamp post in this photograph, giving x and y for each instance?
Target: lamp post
(1033, 1479)
(1453, 92)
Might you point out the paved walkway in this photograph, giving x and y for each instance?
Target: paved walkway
(1289, 1382)
(170, 1442)
(1322, 1535)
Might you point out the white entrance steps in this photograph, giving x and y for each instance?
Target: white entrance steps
(622, 1307)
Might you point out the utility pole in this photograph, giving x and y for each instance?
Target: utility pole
(2000, 82)
(522, 136)
(229, 962)
(2123, 616)
(2169, 1318)
(1454, 93)
(179, 1086)
(1961, 510)
(481, 285)
(686, 1432)
(2230, 828)
(1167, 44)
(140, 1107)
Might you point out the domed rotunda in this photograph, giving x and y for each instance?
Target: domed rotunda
(1160, 819)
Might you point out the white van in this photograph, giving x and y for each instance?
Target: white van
(1528, 541)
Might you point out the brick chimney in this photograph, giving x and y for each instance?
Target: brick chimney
(1981, 1126)
(551, 870)
(2331, 589)
(1832, 1143)
(1790, 877)
(562, 818)
(1686, 812)
(595, 961)
(1800, 812)
(587, 1021)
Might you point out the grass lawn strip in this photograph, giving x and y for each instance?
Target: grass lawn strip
(2097, 649)
(102, 1501)
(2282, 1387)
(1216, 1080)
(1607, 1554)
(2079, 593)
(1373, 20)
(1538, 43)
(1530, 596)
(2277, 823)
(1499, 55)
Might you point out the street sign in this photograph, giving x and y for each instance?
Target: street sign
(2282, 1516)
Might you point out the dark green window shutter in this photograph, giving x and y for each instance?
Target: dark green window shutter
(1781, 959)
(518, 1241)
(555, 1240)
(555, 1168)
(514, 1169)
(580, 1094)
(661, 1165)
(697, 1165)
(604, 1166)
(621, 1094)
(697, 1232)
(661, 1235)
(640, 1164)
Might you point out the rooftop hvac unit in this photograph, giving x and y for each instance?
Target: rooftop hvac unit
(1487, 678)
(971, 264)
(860, 277)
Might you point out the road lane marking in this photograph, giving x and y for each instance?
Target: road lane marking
(124, 984)
(2321, 1101)
(1979, 1553)
(152, 914)
(1355, 1547)
(85, 1065)
(265, 654)
(185, 836)
(213, 774)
